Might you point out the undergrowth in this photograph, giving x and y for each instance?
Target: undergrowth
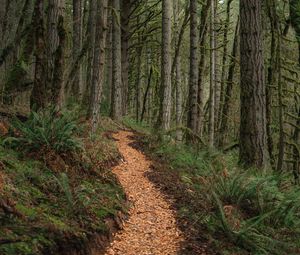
(242, 211)
(56, 189)
(45, 129)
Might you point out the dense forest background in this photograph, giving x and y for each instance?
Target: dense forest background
(220, 76)
(175, 65)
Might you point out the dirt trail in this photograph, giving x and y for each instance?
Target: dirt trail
(151, 228)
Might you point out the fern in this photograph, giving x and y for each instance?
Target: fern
(45, 129)
(64, 184)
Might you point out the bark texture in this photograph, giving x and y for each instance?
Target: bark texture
(165, 108)
(202, 63)
(56, 42)
(77, 45)
(253, 134)
(116, 112)
(213, 80)
(125, 15)
(98, 63)
(39, 92)
(193, 82)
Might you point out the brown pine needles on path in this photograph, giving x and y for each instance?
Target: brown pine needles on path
(151, 228)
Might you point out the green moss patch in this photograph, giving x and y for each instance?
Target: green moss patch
(44, 206)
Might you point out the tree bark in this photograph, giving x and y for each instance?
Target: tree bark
(229, 88)
(39, 94)
(193, 82)
(177, 61)
(212, 88)
(164, 120)
(116, 112)
(146, 93)
(56, 44)
(125, 16)
(224, 62)
(253, 134)
(273, 71)
(91, 34)
(202, 62)
(98, 63)
(77, 45)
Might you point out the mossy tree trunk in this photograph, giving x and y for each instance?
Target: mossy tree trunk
(116, 111)
(98, 63)
(164, 119)
(253, 133)
(193, 79)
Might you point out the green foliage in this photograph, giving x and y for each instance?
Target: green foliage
(295, 16)
(244, 211)
(261, 211)
(141, 127)
(64, 184)
(46, 129)
(16, 75)
(55, 206)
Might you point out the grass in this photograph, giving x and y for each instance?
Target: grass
(61, 197)
(141, 127)
(240, 211)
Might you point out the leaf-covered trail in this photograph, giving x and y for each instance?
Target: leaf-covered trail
(151, 227)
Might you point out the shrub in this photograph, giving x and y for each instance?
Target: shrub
(45, 129)
(256, 212)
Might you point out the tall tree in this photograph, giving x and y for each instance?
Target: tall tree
(125, 33)
(39, 93)
(202, 63)
(229, 90)
(116, 111)
(224, 61)
(193, 82)
(90, 37)
(295, 20)
(164, 120)
(98, 63)
(177, 62)
(253, 134)
(56, 45)
(213, 80)
(77, 44)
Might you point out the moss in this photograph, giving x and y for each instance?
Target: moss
(55, 207)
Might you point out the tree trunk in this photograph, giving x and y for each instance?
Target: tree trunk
(212, 88)
(224, 62)
(253, 134)
(91, 34)
(202, 62)
(56, 44)
(108, 76)
(229, 89)
(178, 78)
(116, 111)
(77, 45)
(193, 82)
(125, 15)
(39, 94)
(146, 93)
(295, 16)
(164, 120)
(98, 63)
(273, 71)
(138, 83)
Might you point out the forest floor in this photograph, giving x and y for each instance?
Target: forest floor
(152, 226)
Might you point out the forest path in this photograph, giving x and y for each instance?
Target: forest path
(151, 228)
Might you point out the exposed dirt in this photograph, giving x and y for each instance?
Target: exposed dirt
(151, 228)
